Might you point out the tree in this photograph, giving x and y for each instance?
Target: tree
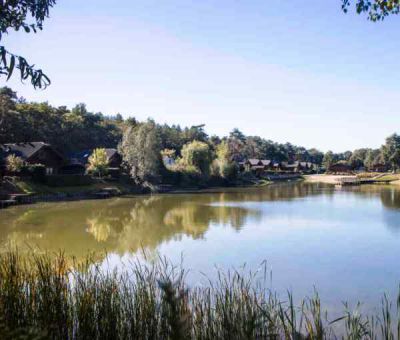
(28, 15)
(328, 159)
(391, 151)
(141, 152)
(357, 158)
(14, 163)
(197, 154)
(236, 143)
(372, 158)
(375, 9)
(8, 100)
(98, 162)
(225, 168)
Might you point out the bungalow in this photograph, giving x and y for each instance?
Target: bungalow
(290, 167)
(257, 164)
(35, 153)
(78, 161)
(339, 168)
(114, 158)
(379, 167)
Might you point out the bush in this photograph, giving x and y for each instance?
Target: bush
(14, 164)
(68, 180)
(37, 172)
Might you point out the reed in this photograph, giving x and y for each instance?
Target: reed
(53, 297)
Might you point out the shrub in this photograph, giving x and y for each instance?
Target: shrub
(98, 162)
(37, 172)
(14, 163)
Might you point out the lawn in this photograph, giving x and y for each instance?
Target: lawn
(30, 187)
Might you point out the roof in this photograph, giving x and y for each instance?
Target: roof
(82, 157)
(266, 161)
(290, 166)
(23, 150)
(253, 161)
(111, 153)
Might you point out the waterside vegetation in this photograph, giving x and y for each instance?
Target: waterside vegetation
(44, 297)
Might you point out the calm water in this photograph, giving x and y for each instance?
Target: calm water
(345, 242)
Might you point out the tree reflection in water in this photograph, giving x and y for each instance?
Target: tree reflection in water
(128, 224)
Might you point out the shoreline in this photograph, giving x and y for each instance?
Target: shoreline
(113, 191)
(391, 179)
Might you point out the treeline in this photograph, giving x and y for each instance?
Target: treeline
(386, 157)
(191, 152)
(79, 129)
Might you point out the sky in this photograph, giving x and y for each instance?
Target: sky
(290, 71)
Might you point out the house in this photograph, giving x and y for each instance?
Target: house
(35, 153)
(267, 163)
(257, 164)
(339, 168)
(290, 167)
(114, 158)
(379, 167)
(78, 161)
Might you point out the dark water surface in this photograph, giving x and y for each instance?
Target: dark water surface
(345, 242)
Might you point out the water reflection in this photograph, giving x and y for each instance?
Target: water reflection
(128, 224)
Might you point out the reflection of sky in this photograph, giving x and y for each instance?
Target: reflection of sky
(340, 245)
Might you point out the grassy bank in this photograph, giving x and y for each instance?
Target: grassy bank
(43, 297)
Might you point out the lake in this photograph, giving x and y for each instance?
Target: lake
(344, 241)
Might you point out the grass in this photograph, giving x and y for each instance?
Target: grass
(388, 178)
(380, 177)
(43, 297)
(30, 187)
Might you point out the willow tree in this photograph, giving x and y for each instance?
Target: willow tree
(26, 15)
(141, 152)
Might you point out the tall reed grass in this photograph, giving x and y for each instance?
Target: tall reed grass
(45, 297)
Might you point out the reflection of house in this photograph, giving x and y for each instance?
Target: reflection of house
(35, 153)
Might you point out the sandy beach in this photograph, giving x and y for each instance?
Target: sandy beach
(322, 178)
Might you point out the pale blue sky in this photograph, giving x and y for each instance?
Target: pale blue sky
(287, 70)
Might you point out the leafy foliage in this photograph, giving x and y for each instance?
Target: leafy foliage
(67, 130)
(391, 151)
(222, 165)
(98, 162)
(140, 150)
(197, 154)
(14, 15)
(14, 163)
(55, 297)
(375, 9)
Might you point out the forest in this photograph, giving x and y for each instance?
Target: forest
(142, 144)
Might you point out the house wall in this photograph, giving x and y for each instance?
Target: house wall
(48, 157)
